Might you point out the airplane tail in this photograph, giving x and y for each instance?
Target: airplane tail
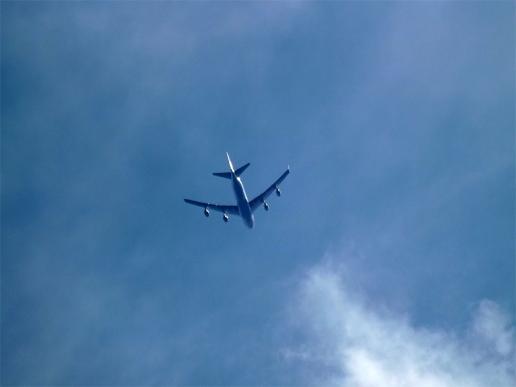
(241, 170)
(228, 175)
(225, 175)
(230, 163)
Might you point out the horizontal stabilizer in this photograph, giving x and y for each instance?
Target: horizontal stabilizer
(241, 170)
(226, 175)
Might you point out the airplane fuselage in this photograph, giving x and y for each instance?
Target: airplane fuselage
(242, 201)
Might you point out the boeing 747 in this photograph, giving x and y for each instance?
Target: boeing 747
(244, 207)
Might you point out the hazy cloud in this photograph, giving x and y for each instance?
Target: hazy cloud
(493, 325)
(358, 344)
(397, 120)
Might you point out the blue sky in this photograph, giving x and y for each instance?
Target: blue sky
(389, 260)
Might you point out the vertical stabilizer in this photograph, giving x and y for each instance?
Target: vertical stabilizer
(230, 163)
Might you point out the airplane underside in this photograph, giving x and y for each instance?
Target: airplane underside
(244, 208)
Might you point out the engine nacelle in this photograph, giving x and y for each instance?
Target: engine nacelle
(225, 217)
(266, 206)
(278, 192)
(206, 212)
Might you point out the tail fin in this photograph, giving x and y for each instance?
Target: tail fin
(230, 163)
(229, 175)
(226, 175)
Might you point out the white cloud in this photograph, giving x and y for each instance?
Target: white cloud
(493, 325)
(360, 344)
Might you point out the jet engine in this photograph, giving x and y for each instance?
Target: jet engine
(278, 192)
(225, 217)
(266, 206)
(206, 212)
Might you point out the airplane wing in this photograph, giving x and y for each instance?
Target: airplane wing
(233, 210)
(257, 201)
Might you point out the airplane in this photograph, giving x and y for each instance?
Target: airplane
(244, 207)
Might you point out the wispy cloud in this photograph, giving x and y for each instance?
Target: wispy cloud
(396, 118)
(358, 343)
